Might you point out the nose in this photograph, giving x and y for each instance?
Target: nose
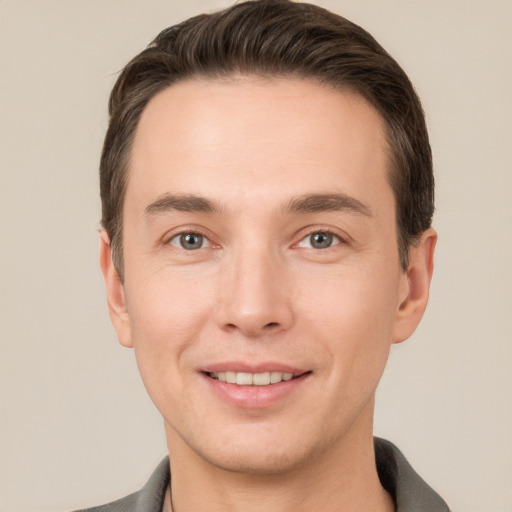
(254, 297)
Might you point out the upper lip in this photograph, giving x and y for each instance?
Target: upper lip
(239, 367)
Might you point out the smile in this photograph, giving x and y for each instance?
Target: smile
(252, 379)
(256, 389)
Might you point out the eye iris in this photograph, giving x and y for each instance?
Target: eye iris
(321, 240)
(191, 241)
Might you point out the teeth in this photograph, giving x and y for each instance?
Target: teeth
(252, 379)
(244, 379)
(261, 379)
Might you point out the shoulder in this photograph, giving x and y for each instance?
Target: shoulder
(126, 504)
(149, 499)
(410, 492)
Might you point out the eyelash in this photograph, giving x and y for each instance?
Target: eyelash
(194, 232)
(336, 239)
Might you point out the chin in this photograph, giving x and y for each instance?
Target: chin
(257, 461)
(258, 452)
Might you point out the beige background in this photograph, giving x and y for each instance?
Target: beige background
(76, 426)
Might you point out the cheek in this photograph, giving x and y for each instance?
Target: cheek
(353, 299)
(168, 308)
(166, 321)
(353, 316)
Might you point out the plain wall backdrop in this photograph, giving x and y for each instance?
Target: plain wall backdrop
(77, 428)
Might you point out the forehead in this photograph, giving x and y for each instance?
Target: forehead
(229, 138)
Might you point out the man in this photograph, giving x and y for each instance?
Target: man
(267, 193)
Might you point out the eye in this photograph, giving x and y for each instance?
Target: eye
(319, 240)
(189, 241)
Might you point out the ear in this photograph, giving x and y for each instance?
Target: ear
(415, 286)
(115, 293)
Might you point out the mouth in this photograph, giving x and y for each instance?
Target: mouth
(254, 379)
(259, 387)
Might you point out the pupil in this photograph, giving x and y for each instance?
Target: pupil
(321, 240)
(191, 241)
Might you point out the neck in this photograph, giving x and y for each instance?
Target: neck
(343, 479)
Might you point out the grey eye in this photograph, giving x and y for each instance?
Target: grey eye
(321, 240)
(188, 241)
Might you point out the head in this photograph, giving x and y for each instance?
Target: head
(267, 194)
(275, 38)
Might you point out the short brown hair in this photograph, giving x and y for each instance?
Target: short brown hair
(275, 38)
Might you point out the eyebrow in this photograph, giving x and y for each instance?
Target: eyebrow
(308, 203)
(181, 203)
(316, 203)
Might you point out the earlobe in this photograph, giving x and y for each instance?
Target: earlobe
(416, 286)
(115, 293)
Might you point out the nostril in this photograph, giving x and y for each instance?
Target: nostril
(271, 324)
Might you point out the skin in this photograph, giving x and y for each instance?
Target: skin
(258, 292)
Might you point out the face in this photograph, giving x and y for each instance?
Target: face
(262, 283)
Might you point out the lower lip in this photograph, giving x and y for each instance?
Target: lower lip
(254, 397)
